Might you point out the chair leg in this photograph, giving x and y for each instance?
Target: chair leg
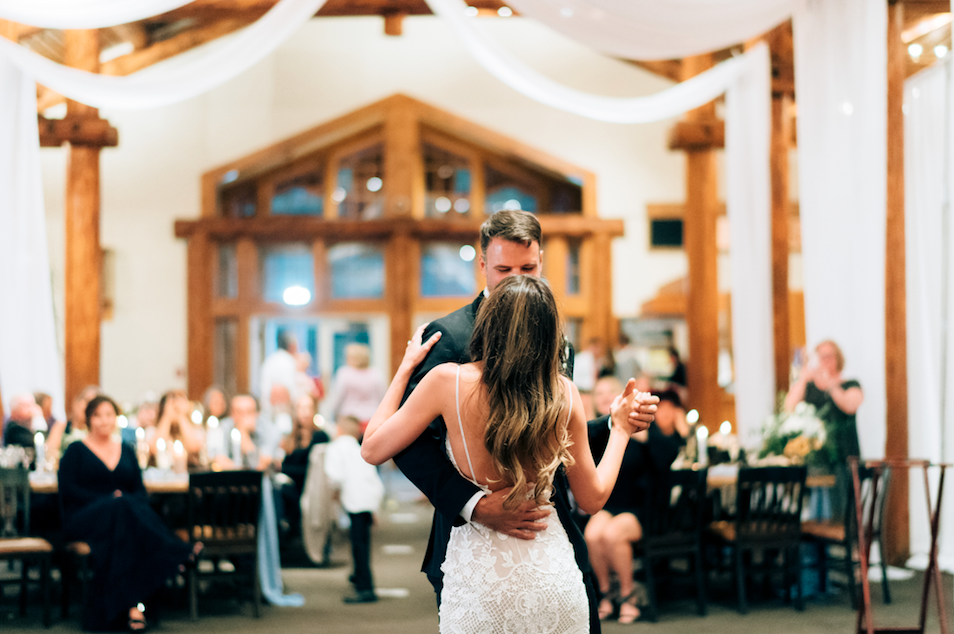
(257, 590)
(850, 571)
(700, 583)
(799, 597)
(651, 588)
(193, 593)
(885, 590)
(24, 574)
(740, 580)
(82, 568)
(822, 567)
(45, 590)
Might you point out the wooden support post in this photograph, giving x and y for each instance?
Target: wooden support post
(897, 538)
(401, 290)
(781, 137)
(200, 345)
(702, 309)
(83, 256)
(403, 166)
(601, 281)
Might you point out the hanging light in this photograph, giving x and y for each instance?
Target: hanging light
(915, 50)
(296, 296)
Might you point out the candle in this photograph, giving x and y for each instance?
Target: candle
(179, 464)
(142, 448)
(40, 453)
(237, 447)
(213, 422)
(702, 436)
(162, 458)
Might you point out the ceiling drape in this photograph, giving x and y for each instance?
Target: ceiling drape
(84, 14)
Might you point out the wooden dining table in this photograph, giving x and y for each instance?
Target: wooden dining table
(47, 484)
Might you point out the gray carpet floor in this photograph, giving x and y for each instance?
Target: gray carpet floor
(407, 601)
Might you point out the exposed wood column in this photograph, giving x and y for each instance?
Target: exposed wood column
(400, 293)
(83, 254)
(897, 538)
(403, 166)
(200, 345)
(601, 310)
(781, 138)
(702, 307)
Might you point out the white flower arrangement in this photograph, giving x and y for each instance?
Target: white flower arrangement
(797, 436)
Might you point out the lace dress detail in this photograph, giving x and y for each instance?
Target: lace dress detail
(494, 583)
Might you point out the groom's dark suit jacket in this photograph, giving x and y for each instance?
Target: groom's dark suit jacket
(425, 462)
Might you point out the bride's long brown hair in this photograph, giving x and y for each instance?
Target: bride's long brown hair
(519, 338)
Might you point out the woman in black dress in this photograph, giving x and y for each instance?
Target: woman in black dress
(104, 504)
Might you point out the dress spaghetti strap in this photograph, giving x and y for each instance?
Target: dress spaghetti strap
(460, 424)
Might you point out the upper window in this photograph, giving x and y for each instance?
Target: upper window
(301, 195)
(506, 192)
(239, 201)
(447, 269)
(357, 270)
(447, 183)
(359, 188)
(287, 273)
(227, 273)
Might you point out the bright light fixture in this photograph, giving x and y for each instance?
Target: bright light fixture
(940, 51)
(339, 194)
(442, 204)
(915, 50)
(512, 205)
(462, 205)
(374, 184)
(296, 296)
(471, 12)
(505, 12)
(468, 253)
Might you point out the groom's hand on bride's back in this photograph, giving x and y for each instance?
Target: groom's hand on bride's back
(523, 522)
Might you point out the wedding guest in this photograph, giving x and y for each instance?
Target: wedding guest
(45, 401)
(611, 532)
(63, 434)
(627, 365)
(280, 368)
(18, 431)
(836, 401)
(304, 383)
(361, 492)
(215, 403)
(174, 423)
(254, 449)
(297, 447)
(104, 504)
(358, 387)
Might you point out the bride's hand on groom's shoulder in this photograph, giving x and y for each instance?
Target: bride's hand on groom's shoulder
(417, 349)
(632, 410)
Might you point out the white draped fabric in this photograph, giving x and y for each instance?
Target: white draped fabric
(649, 29)
(841, 83)
(166, 84)
(83, 14)
(929, 237)
(29, 359)
(748, 120)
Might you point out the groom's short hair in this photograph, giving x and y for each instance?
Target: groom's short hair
(515, 226)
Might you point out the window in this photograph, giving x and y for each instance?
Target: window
(357, 271)
(505, 192)
(227, 274)
(447, 183)
(573, 267)
(239, 201)
(287, 273)
(359, 189)
(223, 363)
(665, 232)
(447, 269)
(301, 195)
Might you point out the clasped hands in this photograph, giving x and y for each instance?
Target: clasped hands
(632, 410)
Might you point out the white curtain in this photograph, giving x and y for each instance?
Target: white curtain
(83, 14)
(170, 83)
(841, 84)
(930, 296)
(748, 121)
(650, 29)
(29, 359)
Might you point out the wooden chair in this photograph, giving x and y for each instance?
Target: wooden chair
(16, 544)
(768, 519)
(674, 529)
(844, 534)
(223, 515)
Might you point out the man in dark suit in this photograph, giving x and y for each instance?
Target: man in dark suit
(510, 245)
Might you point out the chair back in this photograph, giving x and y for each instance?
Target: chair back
(678, 504)
(769, 502)
(14, 502)
(870, 495)
(224, 508)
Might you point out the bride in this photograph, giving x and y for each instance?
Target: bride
(517, 420)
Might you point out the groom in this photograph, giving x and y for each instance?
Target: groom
(510, 245)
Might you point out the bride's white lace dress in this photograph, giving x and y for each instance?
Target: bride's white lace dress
(494, 583)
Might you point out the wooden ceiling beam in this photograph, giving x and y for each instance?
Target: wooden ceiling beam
(77, 132)
(697, 135)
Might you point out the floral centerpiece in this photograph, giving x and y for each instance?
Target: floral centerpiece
(798, 436)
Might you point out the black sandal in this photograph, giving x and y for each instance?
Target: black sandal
(630, 600)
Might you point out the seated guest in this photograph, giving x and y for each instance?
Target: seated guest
(45, 402)
(610, 533)
(256, 445)
(174, 423)
(63, 434)
(18, 429)
(215, 404)
(104, 504)
(297, 447)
